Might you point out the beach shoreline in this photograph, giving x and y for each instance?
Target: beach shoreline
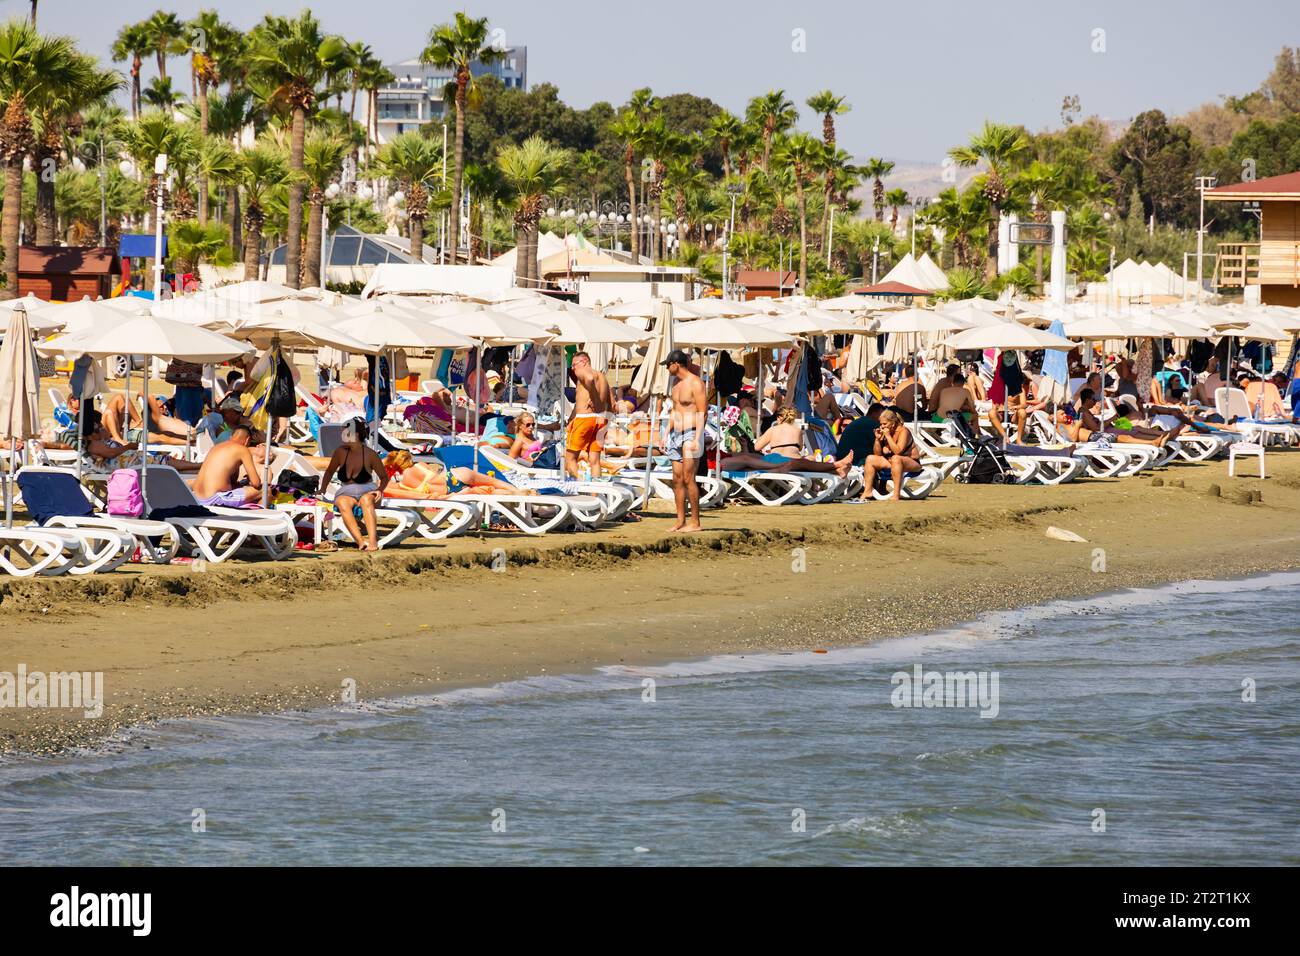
(255, 637)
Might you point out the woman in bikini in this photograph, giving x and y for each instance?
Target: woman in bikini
(526, 445)
(895, 451)
(362, 483)
(784, 438)
(433, 482)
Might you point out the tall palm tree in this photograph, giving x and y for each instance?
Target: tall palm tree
(190, 243)
(878, 169)
(724, 129)
(772, 113)
(132, 44)
(532, 169)
(154, 133)
(227, 117)
(999, 146)
(488, 187)
(457, 46)
(374, 76)
(294, 57)
(802, 153)
(261, 171)
(323, 155)
(166, 38)
(216, 163)
(415, 162)
(629, 129)
(33, 69)
(1041, 185)
(58, 116)
(839, 175)
(358, 56)
(896, 199)
(828, 105)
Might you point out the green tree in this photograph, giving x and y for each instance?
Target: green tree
(531, 169)
(999, 147)
(772, 113)
(827, 105)
(189, 243)
(457, 46)
(261, 171)
(878, 169)
(323, 155)
(294, 57)
(33, 71)
(415, 162)
(132, 43)
(166, 36)
(802, 153)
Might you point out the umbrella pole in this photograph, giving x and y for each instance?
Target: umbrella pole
(650, 453)
(478, 404)
(81, 433)
(270, 426)
(144, 437)
(9, 482)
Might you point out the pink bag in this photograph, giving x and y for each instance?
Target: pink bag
(124, 498)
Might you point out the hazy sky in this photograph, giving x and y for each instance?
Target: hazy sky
(920, 75)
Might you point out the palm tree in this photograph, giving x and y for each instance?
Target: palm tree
(896, 198)
(374, 76)
(839, 177)
(166, 38)
(322, 159)
(227, 117)
(359, 57)
(457, 46)
(216, 162)
(488, 187)
(532, 169)
(415, 162)
(132, 44)
(294, 57)
(802, 153)
(772, 113)
(160, 95)
(878, 169)
(999, 146)
(1042, 185)
(629, 129)
(828, 105)
(189, 243)
(154, 133)
(724, 129)
(33, 71)
(261, 170)
(58, 116)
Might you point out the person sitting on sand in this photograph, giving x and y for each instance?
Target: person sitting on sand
(219, 482)
(434, 481)
(362, 483)
(895, 451)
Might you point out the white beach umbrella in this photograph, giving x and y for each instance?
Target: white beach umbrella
(846, 303)
(258, 290)
(634, 309)
(1110, 327)
(29, 302)
(127, 304)
(20, 384)
(72, 316)
(1008, 335)
(444, 310)
(919, 320)
(714, 309)
(151, 337)
(727, 334)
(575, 328)
(493, 327)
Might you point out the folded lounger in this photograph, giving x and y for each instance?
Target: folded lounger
(55, 499)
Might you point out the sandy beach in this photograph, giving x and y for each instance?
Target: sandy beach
(254, 636)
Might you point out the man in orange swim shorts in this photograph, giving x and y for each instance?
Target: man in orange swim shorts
(592, 402)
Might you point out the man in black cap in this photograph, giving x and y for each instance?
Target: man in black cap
(685, 439)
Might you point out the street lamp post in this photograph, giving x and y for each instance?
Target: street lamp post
(1202, 183)
(733, 190)
(160, 170)
(875, 258)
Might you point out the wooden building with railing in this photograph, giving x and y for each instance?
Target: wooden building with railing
(1272, 263)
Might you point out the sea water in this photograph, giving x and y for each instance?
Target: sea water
(1145, 727)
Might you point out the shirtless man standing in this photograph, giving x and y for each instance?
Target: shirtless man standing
(685, 439)
(216, 481)
(591, 406)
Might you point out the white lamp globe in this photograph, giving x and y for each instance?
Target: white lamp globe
(399, 196)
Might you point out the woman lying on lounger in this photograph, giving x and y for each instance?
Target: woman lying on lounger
(433, 482)
(102, 452)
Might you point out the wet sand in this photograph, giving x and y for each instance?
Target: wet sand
(253, 636)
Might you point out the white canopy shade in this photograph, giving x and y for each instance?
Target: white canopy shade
(147, 335)
(258, 290)
(495, 328)
(920, 320)
(1008, 335)
(388, 327)
(726, 334)
(583, 327)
